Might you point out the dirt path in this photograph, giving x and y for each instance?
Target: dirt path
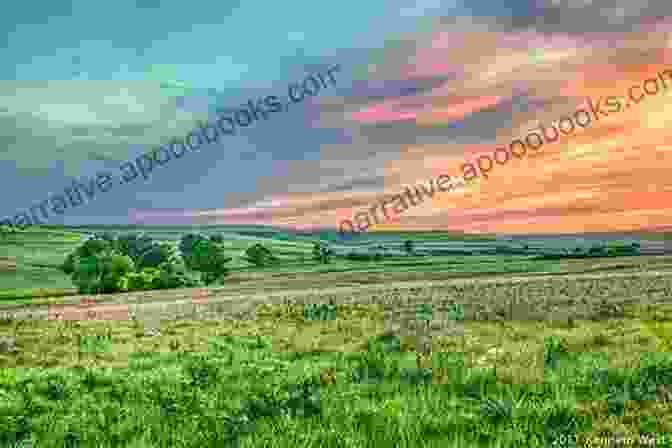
(540, 294)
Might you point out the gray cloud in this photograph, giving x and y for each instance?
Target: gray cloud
(586, 16)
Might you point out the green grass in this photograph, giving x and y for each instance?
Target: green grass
(228, 384)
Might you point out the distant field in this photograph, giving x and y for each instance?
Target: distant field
(29, 261)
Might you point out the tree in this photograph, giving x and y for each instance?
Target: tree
(187, 246)
(101, 272)
(68, 266)
(134, 245)
(107, 236)
(86, 264)
(94, 246)
(155, 255)
(259, 255)
(597, 250)
(217, 238)
(209, 258)
(174, 274)
(409, 247)
(115, 267)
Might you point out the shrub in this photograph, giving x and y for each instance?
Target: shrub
(155, 255)
(259, 255)
(146, 279)
(134, 245)
(68, 266)
(173, 274)
(209, 258)
(134, 282)
(85, 275)
(359, 256)
(187, 247)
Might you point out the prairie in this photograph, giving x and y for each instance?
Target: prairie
(436, 351)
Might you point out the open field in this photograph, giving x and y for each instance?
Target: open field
(542, 353)
(29, 261)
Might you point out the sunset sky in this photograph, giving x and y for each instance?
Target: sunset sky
(424, 86)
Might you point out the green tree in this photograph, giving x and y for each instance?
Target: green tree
(101, 272)
(259, 255)
(134, 245)
(115, 267)
(409, 247)
(155, 255)
(68, 266)
(86, 274)
(209, 258)
(187, 247)
(174, 274)
(597, 250)
(86, 265)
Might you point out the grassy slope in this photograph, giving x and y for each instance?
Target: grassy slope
(196, 383)
(37, 254)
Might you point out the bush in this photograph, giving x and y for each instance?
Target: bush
(68, 266)
(134, 245)
(187, 247)
(208, 258)
(133, 282)
(259, 255)
(148, 278)
(360, 256)
(173, 274)
(155, 255)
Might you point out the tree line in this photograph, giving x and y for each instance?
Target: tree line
(106, 263)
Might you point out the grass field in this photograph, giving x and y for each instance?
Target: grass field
(544, 353)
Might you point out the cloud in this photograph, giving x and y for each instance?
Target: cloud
(581, 16)
(83, 120)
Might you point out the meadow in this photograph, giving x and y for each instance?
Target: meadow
(436, 351)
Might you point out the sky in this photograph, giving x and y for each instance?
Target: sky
(423, 87)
